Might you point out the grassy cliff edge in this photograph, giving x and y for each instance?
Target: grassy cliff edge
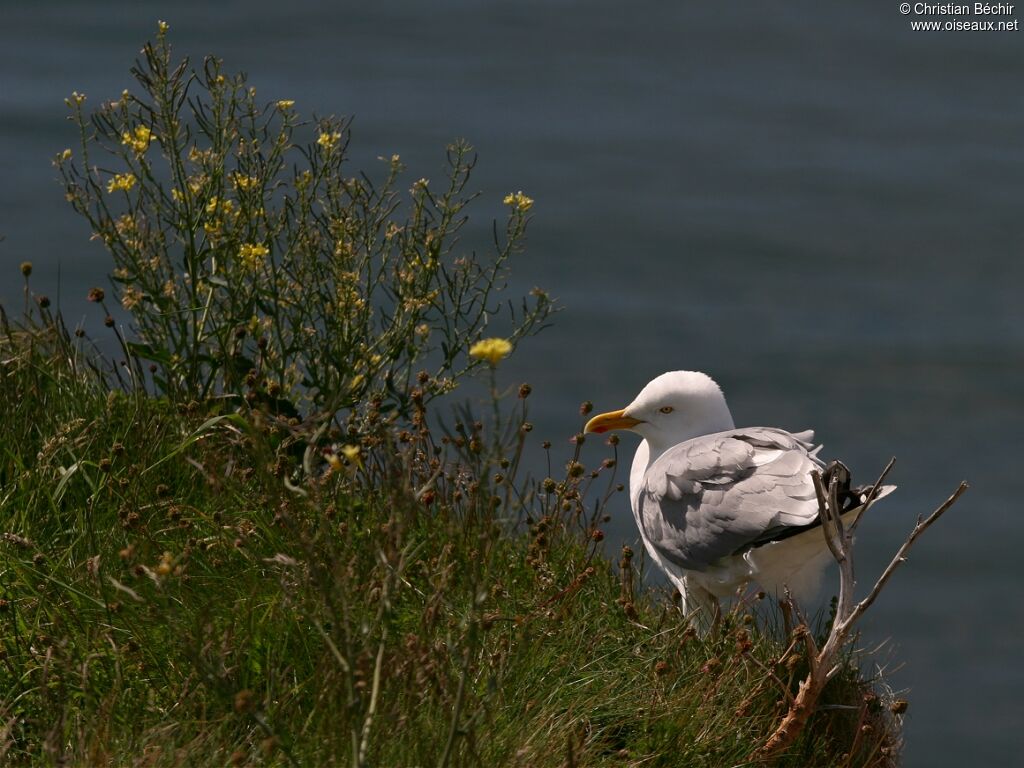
(167, 601)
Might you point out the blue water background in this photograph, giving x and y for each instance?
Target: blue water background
(809, 201)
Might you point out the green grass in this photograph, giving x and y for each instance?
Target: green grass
(166, 600)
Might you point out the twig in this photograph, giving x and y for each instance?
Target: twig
(771, 674)
(822, 663)
(901, 554)
(824, 507)
(371, 711)
(872, 495)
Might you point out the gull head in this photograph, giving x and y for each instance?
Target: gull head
(674, 407)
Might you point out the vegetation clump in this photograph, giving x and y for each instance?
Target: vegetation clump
(257, 537)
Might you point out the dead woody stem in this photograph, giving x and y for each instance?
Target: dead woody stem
(823, 662)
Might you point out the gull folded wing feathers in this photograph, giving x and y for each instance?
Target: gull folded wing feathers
(711, 496)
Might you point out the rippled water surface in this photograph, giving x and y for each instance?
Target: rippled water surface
(810, 202)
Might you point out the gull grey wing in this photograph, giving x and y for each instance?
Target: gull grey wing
(709, 497)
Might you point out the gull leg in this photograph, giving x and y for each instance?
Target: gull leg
(697, 600)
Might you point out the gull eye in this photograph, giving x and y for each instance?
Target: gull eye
(667, 409)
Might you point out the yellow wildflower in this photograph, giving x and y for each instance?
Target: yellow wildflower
(197, 155)
(285, 104)
(219, 211)
(130, 297)
(124, 225)
(350, 452)
(519, 201)
(138, 140)
(162, 27)
(197, 182)
(166, 564)
(491, 350)
(65, 155)
(244, 182)
(76, 99)
(329, 140)
(252, 254)
(121, 181)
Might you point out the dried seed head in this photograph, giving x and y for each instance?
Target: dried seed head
(586, 407)
(26, 268)
(711, 665)
(524, 391)
(269, 745)
(96, 295)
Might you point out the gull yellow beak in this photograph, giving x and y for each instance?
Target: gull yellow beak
(605, 422)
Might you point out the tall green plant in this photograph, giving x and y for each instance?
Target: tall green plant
(256, 263)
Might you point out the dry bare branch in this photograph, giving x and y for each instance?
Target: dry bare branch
(822, 663)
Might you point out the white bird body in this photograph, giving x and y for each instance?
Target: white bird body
(718, 507)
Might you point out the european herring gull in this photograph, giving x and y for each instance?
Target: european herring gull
(718, 507)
